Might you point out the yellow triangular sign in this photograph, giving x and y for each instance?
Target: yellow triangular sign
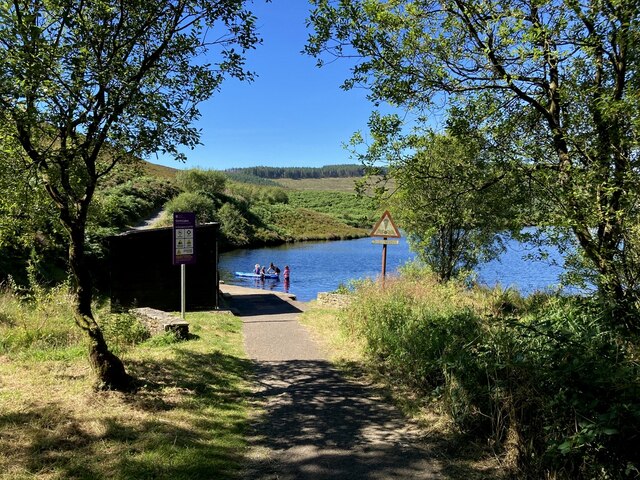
(385, 227)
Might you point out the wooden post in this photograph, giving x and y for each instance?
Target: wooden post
(384, 260)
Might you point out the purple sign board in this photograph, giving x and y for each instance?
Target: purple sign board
(184, 238)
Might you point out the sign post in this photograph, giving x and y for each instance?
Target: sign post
(184, 249)
(385, 228)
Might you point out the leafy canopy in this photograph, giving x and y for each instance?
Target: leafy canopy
(551, 84)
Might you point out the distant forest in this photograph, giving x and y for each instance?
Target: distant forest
(328, 171)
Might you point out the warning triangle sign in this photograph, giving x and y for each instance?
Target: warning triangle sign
(385, 227)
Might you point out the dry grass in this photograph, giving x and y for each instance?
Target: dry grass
(186, 421)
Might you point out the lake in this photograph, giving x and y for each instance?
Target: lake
(324, 266)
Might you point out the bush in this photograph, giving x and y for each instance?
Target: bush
(122, 330)
(202, 206)
(235, 226)
(209, 183)
(252, 194)
(543, 378)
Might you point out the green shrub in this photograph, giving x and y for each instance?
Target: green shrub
(40, 322)
(234, 225)
(251, 194)
(543, 377)
(210, 183)
(163, 340)
(201, 205)
(127, 203)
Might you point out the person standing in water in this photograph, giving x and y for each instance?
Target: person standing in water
(286, 274)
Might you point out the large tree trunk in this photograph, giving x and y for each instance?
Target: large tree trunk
(109, 369)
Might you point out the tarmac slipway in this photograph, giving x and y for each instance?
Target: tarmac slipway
(313, 423)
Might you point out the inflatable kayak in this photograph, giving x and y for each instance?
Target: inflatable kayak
(256, 275)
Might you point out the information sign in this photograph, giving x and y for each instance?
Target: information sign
(184, 238)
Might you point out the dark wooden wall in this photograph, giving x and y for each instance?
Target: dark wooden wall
(143, 274)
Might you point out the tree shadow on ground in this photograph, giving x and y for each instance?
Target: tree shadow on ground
(316, 425)
(186, 422)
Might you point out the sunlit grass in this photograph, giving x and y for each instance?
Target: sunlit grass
(186, 421)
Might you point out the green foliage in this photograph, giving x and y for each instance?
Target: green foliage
(304, 224)
(551, 86)
(127, 203)
(163, 340)
(204, 208)
(38, 322)
(452, 198)
(122, 331)
(41, 320)
(234, 225)
(543, 378)
(205, 182)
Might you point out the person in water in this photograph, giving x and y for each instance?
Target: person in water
(286, 274)
(273, 269)
(256, 269)
(262, 273)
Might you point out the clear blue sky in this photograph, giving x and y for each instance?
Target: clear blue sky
(293, 114)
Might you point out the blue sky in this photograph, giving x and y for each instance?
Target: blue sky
(293, 114)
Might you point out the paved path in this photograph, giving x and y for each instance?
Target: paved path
(315, 424)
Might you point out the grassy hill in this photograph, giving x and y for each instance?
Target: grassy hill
(253, 213)
(160, 171)
(319, 184)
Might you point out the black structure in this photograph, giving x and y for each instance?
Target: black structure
(143, 274)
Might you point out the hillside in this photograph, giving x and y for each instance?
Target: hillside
(160, 171)
(253, 211)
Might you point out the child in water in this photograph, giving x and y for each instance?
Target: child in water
(287, 272)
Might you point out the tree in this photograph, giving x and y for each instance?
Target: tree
(551, 84)
(454, 203)
(85, 86)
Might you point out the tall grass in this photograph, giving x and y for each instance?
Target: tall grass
(39, 321)
(185, 421)
(553, 389)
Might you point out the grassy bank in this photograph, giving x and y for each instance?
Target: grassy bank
(543, 383)
(186, 421)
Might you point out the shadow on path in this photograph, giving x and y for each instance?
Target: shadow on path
(261, 304)
(316, 425)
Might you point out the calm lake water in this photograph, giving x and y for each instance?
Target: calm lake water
(323, 266)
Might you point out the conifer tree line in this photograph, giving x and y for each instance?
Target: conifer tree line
(296, 173)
